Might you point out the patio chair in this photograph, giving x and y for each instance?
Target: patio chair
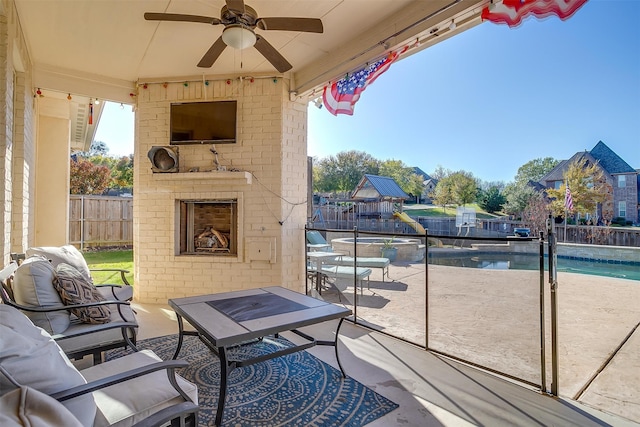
(70, 255)
(88, 324)
(39, 382)
(316, 242)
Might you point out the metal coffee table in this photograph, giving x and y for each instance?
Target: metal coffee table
(229, 319)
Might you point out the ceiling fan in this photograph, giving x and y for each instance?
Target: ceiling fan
(239, 22)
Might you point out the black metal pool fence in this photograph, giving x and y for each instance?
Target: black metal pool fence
(428, 240)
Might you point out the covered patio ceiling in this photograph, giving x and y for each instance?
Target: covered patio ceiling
(103, 48)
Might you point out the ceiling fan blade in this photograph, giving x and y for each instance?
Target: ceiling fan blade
(178, 17)
(235, 5)
(212, 54)
(308, 25)
(272, 55)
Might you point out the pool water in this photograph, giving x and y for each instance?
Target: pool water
(532, 262)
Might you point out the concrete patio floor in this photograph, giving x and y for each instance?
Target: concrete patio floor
(434, 390)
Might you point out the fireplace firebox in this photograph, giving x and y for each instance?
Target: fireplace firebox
(208, 227)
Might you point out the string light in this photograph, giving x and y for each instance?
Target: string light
(121, 106)
(97, 101)
(39, 92)
(144, 86)
(69, 97)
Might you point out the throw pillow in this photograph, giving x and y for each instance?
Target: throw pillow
(26, 406)
(74, 289)
(33, 287)
(67, 254)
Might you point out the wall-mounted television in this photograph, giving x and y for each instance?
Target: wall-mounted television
(203, 122)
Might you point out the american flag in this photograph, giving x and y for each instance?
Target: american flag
(568, 200)
(341, 96)
(512, 12)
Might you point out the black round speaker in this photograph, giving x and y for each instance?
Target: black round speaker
(163, 159)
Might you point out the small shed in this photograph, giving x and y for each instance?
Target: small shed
(378, 195)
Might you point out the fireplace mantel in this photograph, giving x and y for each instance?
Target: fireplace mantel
(217, 175)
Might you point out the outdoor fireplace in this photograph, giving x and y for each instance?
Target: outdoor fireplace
(208, 227)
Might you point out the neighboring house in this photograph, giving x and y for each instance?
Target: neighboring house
(624, 179)
(638, 186)
(378, 194)
(428, 182)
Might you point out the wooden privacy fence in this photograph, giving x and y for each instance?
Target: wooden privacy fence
(100, 221)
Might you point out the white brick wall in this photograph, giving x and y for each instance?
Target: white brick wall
(17, 135)
(271, 144)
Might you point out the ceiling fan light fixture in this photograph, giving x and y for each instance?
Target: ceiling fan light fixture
(238, 36)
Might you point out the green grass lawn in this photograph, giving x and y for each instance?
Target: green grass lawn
(110, 259)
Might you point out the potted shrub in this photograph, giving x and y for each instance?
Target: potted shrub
(388, 250)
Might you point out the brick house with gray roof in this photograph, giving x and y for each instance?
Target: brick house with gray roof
(624, 179)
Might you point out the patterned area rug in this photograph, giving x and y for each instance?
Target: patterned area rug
(293, 390)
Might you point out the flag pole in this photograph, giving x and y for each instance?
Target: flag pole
(564, 240)
(566, 218)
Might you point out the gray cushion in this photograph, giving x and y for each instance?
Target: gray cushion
(129, 402)
(122, 293)
(76, 338)
(32, 358)
(75, 289)
(33, 287)
(28, 407)
(67, 254)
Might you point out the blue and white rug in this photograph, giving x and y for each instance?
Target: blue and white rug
(293, 390)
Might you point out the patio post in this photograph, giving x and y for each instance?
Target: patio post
(426, 289)
(355, 274)
(543, 370)
(553, 283)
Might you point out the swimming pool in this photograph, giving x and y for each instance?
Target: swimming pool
(505, 261)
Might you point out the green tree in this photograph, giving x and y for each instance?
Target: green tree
(535, 169)
(456, 188)
(588, 186)
(122, 172)
(88, 178)
(443, 193)
(343, 171)
(491, 200)
(403, 175)
(440, 172)
(518, 195)
(464, 187)
(98, 148)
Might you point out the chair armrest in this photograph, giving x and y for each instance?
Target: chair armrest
(122, 273)
(169, 365)
(63, 307)
(164, 416)
(125, 322)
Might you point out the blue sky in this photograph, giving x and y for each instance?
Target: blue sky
(490, 99)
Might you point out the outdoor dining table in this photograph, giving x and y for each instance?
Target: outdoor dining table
(318, 258)
(230, 319)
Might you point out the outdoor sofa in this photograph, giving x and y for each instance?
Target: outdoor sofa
(86, 322)
(40, 386)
